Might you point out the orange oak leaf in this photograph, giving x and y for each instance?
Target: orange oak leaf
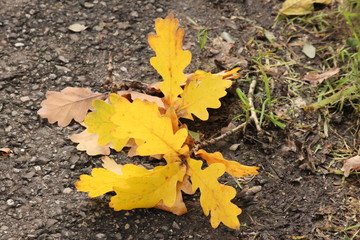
(170, 60)
(202, 92)
(68, 104)
(233, 168)
(215, 198)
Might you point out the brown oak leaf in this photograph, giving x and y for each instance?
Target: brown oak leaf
(89, 142)
(351, 164)
(71, 103)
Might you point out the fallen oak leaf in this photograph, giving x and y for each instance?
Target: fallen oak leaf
(316, 79)
(351, 164)
(111, 165)
(136, 95)
(215, 198)
(233, 168)
(99, 122)
(89, 142)
(300, 7)
(179, 207)
(142, 120)
(68, 104)
(202, 92)
(170, 60)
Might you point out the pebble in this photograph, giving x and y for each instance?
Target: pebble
(25, 99)
(160, 10)
(50, 222)
(98, 28)
(14, 113)
(88, 5)
(35, 86)
(63, 59)
(134, 14)
(19, 44)
(160, 235)
(127, 226)
(10, 202)
(4, 228)
(124, 69)
(62, 68)
(52, 76)
(234, 147)
(100, 236)
(175, 225)
(67, 190)
(29, 175)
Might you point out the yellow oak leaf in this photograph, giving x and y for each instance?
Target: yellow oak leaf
(99, 122)
(179, 207)
(143, 188)
(141, 120)
(170, 60)
(100, 182)
(202, 92)
(233, 168)
(215, 197)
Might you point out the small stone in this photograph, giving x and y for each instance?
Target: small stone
(118, 236)
(100, 236)
(74, 159)
(127, 226)
(19, 44)
(29, 175)
(35, 87)
(160, 235)
(41, 160)
(234, 147)
(98, 28)
(175, 225)
(8, 128)
(62, 68)
(160, 10)
(10, 202)
(63, 59)
(4, 228)
(88, 5)
(14, 113)
(67, 190)
(52, 76)
(25, 99)
(124, 69)
(134, 14)
(50, 222)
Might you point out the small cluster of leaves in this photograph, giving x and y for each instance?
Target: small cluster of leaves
(151, 126)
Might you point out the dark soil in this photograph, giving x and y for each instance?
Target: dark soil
(299, 197)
